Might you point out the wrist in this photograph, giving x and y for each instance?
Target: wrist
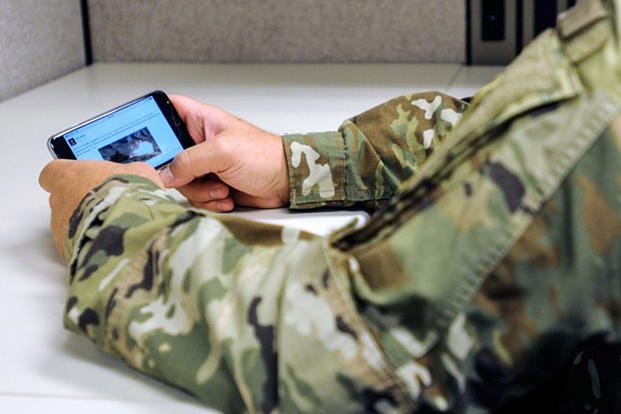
(283, 190)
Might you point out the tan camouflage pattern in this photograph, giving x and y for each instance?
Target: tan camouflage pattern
(493, 274)
(371, 154)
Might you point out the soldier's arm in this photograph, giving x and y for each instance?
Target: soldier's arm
(371, 154)
(363, 162)
(248, 317)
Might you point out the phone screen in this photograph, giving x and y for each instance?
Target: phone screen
(136, 132)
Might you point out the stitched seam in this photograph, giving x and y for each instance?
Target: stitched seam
(508, 235)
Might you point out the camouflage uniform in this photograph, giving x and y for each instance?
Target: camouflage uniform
(495, 255)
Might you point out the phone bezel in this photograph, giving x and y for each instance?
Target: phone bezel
(59, 148)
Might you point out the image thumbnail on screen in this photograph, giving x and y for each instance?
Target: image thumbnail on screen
(137, 146)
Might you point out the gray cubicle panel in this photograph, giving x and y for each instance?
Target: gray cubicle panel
(278, 31)
(499, 29)
(39, 41)
(44, 39)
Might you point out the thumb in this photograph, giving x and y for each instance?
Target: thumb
(50, 174)
(194, 162)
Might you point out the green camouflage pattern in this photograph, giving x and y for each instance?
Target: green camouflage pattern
(219, 306)
(371, 154)
(493, 273)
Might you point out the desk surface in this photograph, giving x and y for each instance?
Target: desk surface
(46, 369)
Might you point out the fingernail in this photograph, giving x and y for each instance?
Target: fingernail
(223, 206)
(216, 194)
(166, 176)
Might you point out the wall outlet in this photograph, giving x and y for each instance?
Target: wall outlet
(498, 30)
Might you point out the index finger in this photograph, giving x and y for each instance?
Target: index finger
(194, 162)
(184, 105)
(202, 120)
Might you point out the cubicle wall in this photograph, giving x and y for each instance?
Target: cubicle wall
(39, 40)
(43, 39)
(278, 30)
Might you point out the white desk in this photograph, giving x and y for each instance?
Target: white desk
(46, 369)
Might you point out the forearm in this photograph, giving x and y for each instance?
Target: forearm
(218, 306)
(371, 154)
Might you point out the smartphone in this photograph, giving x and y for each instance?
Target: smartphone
(147, 129)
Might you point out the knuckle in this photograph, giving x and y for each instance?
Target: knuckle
(223, 191)
(220, 146)
(47, 173)
(181, 162)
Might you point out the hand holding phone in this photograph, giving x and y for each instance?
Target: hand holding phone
(233, 162)
(147, 129)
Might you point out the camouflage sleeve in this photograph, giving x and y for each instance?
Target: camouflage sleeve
(371, 154)
(220, 306)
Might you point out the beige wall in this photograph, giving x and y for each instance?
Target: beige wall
(42, 39)
(39, 40)
(278, 30)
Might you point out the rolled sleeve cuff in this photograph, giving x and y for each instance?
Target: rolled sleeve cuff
(316, 167)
